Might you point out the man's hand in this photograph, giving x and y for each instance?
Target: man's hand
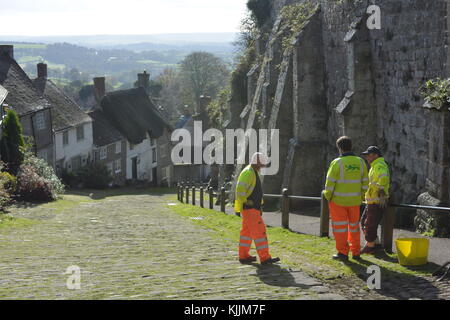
(383, 199)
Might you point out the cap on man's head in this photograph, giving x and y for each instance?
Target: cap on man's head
(262, 158)
(372, 150)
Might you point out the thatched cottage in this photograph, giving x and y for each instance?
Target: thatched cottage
(134, 116)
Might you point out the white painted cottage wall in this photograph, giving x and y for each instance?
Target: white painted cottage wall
(74, 148)
(143, 152)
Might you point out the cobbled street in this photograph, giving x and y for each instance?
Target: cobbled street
(133, 247)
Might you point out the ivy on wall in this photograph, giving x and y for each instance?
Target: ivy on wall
(436, 93)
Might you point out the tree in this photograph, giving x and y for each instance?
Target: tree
(202, 73)
(170, 94)
(12, 142)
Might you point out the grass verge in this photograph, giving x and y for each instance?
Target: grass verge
(7, 221)
(308, 253)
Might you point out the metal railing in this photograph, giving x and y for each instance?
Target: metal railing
(387, 224)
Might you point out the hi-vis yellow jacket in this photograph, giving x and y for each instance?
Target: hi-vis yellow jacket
(347, 181)
(244, 187)
(379, 179)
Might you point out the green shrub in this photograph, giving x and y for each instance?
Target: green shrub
(437, 93)
(70, 179)
(8, 181)
(95, 176)
(12, 142)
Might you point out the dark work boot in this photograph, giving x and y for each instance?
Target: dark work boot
(270, 261)
(367, 250)
(340, 256)
(248, 260)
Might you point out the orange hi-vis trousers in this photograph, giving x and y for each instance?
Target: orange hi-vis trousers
(253, 229)
(345, 223)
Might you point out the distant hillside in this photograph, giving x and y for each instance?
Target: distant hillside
(113, 56)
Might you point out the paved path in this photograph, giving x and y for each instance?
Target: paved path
(134, 247)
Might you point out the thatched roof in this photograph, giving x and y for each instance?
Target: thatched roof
(23, 98)
(104, 133)
(134, 114)
(65, 113)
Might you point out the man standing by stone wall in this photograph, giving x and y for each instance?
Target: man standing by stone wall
(345, 187)
(249, 199)
(376, 197)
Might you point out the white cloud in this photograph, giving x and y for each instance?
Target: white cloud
(81, 17)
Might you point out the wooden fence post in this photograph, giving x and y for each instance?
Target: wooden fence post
(193, 196)
(222, 199)
(181, 192)
(201, 197)
(285, 209)
(387, 229)
(324, 218)
(211, 198)
(187, 194)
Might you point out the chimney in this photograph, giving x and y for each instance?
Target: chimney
(99, 88)
(7, 50)
(42, 70)
(144, 81)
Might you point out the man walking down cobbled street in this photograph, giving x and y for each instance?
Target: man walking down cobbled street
(249, 198)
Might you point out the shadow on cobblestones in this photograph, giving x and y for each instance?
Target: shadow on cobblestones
(398, 285)
(275, 275)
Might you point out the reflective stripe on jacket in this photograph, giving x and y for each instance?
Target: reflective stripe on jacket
(244, 187)
(347, 181)
(379, 178)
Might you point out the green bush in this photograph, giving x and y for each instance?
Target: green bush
(95, 176)
(12, 142)
(8, 181)
(436, 93)
(70, 179)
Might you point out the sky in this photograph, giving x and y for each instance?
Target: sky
(96, 17)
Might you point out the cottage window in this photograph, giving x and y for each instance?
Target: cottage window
(65, 138)
(40, 121)
(118, 147)
(103, 153)
(109, 165)
(163, 151)
(80, 133)
(76, 163)
(131, 146)
(118, 165)
(154, 155)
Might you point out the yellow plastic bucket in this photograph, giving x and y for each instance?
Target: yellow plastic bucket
(412, 251)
